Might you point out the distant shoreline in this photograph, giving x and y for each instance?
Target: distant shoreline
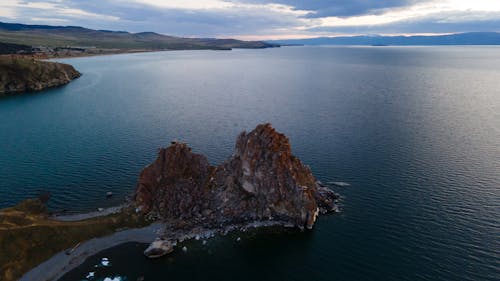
(36, 85)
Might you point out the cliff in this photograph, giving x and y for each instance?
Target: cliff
(18, 75)
(261, 181)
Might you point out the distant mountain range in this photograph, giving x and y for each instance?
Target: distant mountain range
(470, 38)
(80, 37)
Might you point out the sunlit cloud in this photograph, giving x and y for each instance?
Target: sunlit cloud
(476, 9)
(260, 19)
(8, 9)
(188, 5)
(52, 20)
(50, 10)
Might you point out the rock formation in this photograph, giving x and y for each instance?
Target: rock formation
(19, 75)
(261, 181)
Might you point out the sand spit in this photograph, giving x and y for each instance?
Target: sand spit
(61, 263)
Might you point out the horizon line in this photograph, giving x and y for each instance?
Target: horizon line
(272, 37)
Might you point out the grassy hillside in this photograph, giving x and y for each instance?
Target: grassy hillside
(59, 36)
(28, 237)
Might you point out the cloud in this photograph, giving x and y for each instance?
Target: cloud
(258, 19)
(51, 11)
(339, 8)
(448, 22)
(7, 10)
(428, 15)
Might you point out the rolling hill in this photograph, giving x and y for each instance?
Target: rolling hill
(80, 37)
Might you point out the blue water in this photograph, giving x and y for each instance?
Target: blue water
(414, 130)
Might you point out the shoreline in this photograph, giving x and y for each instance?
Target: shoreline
(88, 215)
(62, 241)
(56, 59)
(112, 53)
(61, 263)
(46, 57)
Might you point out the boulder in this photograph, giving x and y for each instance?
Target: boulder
(159, 248)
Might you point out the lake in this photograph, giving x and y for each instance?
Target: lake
(415, 131)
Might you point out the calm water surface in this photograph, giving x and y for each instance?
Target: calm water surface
(414, 130)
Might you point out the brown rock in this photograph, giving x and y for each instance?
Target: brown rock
(261, 181)
(19, 75)
(159, 248)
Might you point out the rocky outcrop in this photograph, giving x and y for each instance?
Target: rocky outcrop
(261, 181)
(159, 248)
(19, 75)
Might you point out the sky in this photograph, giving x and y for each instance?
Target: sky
(259, 19)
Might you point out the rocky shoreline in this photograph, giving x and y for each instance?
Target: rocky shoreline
(62, 263)
(261, 184)
(20, 74)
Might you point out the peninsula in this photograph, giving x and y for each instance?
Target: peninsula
(262, 184)
(19, 74)
(22, 46)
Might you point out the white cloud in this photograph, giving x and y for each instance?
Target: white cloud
(49, 20)
(471, 9)
(221, 5)
(473, 5)
(7, 9)
(56, 10)
(251, 19)
(186, 4)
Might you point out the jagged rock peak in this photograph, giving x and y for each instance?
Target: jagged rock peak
(261, 181)
(263, 137)
(266, 151)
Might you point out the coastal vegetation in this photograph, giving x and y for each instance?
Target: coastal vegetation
(262, 185)
(29, 236)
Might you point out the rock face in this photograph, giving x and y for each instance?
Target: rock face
(261, 181)
(19, 75)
